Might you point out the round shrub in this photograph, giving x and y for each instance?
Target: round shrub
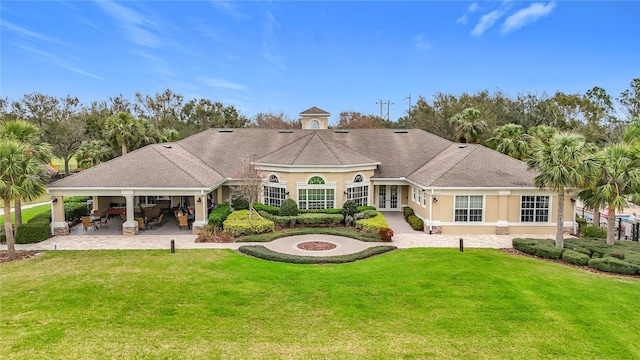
(288, 208)
(219, 215)
(240, 203)
(575, 257)
(407, 211)
(349, 208)
(415, 222)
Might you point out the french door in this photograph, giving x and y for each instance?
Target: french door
(387, 197)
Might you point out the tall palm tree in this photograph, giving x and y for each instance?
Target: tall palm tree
(618, 179)
(92, 153)
(541, 132)
(29, 135)
(21, 176)
(511, 140)
(123, 130)
(469, 125)
(565, 161)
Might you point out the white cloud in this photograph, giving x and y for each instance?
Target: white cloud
(486, 22)
(230, 8)
(526, 16)
(29, 34)
(225, 84)
(135, 26)
(58, 61)
(421, 43)
(472, 8)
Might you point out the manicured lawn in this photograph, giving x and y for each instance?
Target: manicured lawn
(42, 198)
(418, 303)
(29, 213)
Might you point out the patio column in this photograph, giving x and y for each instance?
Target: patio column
(502, 227)
(59, 226)
(201, 212)
(129, 227)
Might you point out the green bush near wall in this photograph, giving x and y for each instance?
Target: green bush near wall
(415, 222)
(592, 231)
(372, 225)
(575, 257)
(273, 210)
(75, 210)
(219, 215)
(288, 208)
(614, 265)
(238, 223)
(36, 230)
(312, 219)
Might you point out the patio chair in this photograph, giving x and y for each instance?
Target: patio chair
(104, 222)
(183, 221)
(141, 224)
(86, 223)
(153, 224)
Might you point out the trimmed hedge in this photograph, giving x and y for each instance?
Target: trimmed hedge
(349, 208)
(320, 211)
(337, 231)
(240, 203)
(575, 257)
(365, 207)
(33, 231)
(273, 210)
(538, 247)
(77, 199)
(415, 222)
(372, 225)
(262, 252)
(614, 265)
(238, 223)
(74, 210)
(407, 211)
(219, 215)
(319, 219)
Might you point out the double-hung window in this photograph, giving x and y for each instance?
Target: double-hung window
(468, 208)
(358, 192)
(315, 194)
(534, 208)
(274, 192)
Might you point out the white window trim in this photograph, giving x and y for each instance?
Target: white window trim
(536, 222)
(484, 210)
(306, 186)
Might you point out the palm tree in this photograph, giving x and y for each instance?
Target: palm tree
(21, 176)
(565, 161)
(123, 130)
(541, 132)
(469, 125)
(632, 134)
(27, 134)
(92, 153)
(511, 140)
(619, 178)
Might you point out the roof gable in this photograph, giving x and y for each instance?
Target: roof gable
(314, 111)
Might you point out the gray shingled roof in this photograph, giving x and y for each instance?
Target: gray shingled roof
(212, 156)
(153, 166)
(314, 111)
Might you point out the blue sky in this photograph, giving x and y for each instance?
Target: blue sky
(339, 56)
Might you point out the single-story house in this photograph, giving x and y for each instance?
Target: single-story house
(453, 187)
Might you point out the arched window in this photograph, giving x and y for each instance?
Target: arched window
(316, 180)
(273, 179)
(358, 191)
(274, 191)
(314, 124)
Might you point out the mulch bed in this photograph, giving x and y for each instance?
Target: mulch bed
(20, 255)
(565, 263)
(316, 246)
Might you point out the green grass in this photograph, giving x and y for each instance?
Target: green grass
(28, 214)
(42, 198)
(337, 231)
(417, 303)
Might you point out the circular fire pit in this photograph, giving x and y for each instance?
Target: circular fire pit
(316, 246)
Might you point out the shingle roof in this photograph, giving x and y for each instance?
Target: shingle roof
(314, 111)
(212, 156)
(153, 166)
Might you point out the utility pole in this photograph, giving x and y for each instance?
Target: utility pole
(409, 110)
(389, 103)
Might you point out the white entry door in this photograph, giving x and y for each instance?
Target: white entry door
(387, 197)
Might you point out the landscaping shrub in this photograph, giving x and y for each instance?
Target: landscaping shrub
(210, 233)
(273, 210)
(320, 211)
(386, 234)
(77, 199)
(407, 211)
(319, 219)
(581, 223)
(288, 208)
(415, 222)
(365, 214)
(219, 215)
(575, 257)
(75, 210)
(617, 255)
(539, 247)
(238, 223)
(592, 231)
(365, 207)
(349, 208)
(33, 231)
(372, 225)
(279, 220)
(240, 203)
(611, 264)
(262, 252)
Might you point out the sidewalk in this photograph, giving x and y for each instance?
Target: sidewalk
(24, 207)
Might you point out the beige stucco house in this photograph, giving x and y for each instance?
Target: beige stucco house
(453, 187)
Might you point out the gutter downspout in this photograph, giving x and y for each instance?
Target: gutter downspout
(431, 212)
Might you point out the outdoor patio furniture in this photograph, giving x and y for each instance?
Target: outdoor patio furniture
(153, 224)
(104, 222)
(87, 223)
(141, 224)
(183, 221)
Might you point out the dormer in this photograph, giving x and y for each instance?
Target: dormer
(314, 119)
